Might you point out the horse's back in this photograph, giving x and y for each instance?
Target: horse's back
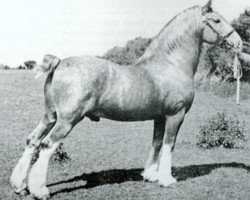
(112, 90)
(83, 62)
(82, 69)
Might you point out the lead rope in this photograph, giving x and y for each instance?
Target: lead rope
(237, 70)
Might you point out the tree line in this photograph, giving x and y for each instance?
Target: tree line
(29, 64)
(213, 63)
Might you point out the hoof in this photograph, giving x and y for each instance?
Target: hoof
(21, 190)
(24, 192)
(165, 182)
(150, 177)
(150, 174)
(42, 194)
(46, 197)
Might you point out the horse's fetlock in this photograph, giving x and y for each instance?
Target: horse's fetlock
(31, 142)
(46, 143)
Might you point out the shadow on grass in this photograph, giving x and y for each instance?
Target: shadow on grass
(113, 176)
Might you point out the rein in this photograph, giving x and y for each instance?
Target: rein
(236, 68)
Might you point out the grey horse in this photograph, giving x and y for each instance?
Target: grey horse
(159, 86)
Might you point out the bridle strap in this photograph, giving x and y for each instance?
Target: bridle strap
(230, 33)
(221, 38)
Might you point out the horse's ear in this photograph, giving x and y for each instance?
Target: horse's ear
(209, 4)
(208, 7)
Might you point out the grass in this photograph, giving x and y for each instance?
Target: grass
(107, 157)
(225, 89)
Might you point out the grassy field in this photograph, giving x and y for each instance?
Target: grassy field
(107, 157)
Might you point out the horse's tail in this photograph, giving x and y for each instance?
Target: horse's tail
(49, 64)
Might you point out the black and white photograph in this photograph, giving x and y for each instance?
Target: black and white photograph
(124, 100)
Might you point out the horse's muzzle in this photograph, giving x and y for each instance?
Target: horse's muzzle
(233, 42)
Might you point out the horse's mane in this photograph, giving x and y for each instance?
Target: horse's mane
(172, 34)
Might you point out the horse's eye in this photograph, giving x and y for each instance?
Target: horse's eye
(209, 10)
(216, 21)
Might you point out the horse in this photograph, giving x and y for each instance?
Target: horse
(158, 86)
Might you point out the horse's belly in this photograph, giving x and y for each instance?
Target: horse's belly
(127, 114)
(123, 116)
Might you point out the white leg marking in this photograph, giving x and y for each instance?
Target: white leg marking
(164, 174)
(20, 172)
(151, 173)
(38, 174)
(151, 167)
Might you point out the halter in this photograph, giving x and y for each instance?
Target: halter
(221, 39)
(236, 68)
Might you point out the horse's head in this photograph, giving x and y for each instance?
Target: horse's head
(218, 31)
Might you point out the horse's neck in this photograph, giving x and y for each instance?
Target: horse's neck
(185, 55)
(178, 43)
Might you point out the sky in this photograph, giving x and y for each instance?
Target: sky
(30, 29)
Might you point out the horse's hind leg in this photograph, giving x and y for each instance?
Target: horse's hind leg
(68, 115)
(151, 167)
(174, 122)
(37, 177)
(20, 172)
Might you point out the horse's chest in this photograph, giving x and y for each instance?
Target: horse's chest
(176, 96)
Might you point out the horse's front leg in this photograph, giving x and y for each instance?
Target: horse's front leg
(174, 122)
(151, 166)
(19, 175)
